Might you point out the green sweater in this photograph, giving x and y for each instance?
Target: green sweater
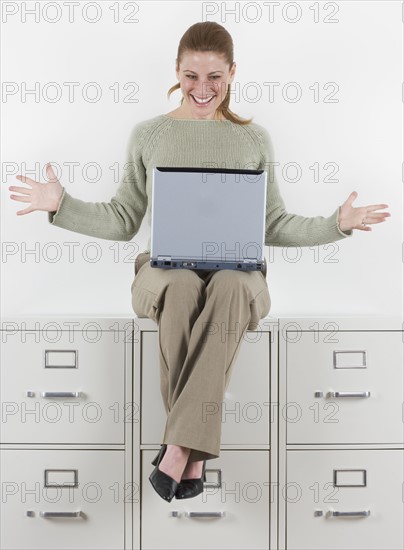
(165, 141)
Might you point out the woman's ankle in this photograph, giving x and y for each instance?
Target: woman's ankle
(174, 461)
(193, 470)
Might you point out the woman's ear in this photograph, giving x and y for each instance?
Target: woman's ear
(232, 71)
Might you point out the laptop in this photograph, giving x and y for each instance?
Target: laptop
(208, 218)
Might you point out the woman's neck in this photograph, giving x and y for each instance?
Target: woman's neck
(178, 114)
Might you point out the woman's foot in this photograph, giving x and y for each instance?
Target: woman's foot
(162, 483)
(174, 461)
(191, 484)
(173, 476)
(193, 470)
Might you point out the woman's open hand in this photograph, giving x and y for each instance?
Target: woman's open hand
(360, 218)
(42, 196)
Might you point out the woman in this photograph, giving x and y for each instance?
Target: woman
(197, 312)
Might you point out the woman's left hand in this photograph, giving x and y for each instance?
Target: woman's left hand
(360, 218)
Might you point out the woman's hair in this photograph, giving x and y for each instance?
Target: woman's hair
(209, 36)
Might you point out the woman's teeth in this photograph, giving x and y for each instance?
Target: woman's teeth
(202, 101)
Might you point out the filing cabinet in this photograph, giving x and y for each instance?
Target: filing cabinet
(341, 433)
(312, 446)
(238, 505)
(65, 439)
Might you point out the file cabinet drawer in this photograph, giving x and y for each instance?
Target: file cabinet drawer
(245, 412)
(344, 387)
(89, 495)
(233, 512)
(339, 499)
(62, 387)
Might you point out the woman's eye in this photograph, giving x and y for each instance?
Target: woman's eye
(193, 76)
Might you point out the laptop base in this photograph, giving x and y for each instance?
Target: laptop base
(244, 265)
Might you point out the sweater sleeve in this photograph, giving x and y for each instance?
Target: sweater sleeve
(119, 219)
(284, 229)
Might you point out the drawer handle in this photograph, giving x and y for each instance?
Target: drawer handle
(335, 513)
(205, 514)
(61, 394)
(177, 514)
(348, 394)
(60, 514)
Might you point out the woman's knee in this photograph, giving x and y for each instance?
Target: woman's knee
(229, 280)
(184, 290)
(184, 279)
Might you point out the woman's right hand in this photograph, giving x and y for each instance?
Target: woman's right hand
(42, 196)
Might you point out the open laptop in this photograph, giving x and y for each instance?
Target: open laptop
(208, 218)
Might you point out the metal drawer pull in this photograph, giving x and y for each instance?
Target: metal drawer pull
(177, 514)
(335, 513)
(348, 394)
(205, 514)
(60, 514)
(61, 394)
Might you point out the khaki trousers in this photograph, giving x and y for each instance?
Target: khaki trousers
(202, 317)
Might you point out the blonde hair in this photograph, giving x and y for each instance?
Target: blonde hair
(209, 36)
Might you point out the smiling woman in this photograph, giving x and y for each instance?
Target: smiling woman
(205, 69)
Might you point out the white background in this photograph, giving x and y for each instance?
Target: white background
(361, 133)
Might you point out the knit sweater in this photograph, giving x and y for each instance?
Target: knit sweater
(200, 143)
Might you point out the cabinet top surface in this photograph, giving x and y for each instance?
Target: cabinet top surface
(269, 323)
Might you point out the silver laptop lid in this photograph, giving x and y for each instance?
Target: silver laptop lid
(208, 213)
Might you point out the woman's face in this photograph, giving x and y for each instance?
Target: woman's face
(203, 76)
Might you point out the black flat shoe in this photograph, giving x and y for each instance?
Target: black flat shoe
(188, 488)
(162, 483)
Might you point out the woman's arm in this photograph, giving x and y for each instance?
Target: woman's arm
(119, 219)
